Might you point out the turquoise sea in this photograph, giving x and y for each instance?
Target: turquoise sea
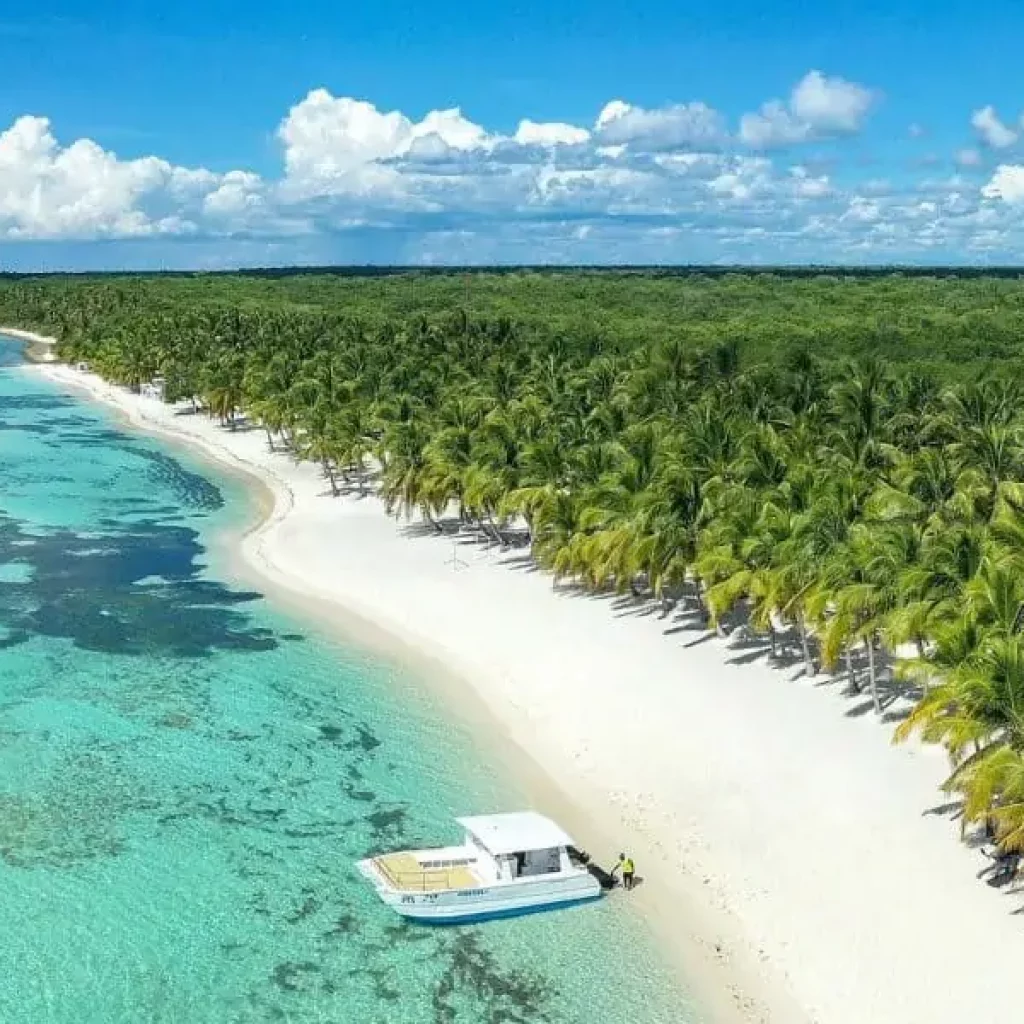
(187, 776)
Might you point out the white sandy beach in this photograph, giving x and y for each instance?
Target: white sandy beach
(784, 841)
(40, 348)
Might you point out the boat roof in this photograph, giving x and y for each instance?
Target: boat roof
(516, 832)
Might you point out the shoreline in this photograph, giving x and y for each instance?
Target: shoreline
(40, 348)
(805, 879)
(695, 938)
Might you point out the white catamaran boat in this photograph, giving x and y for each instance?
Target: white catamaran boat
(508, 864)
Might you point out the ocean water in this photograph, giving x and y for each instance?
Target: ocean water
(187, 776)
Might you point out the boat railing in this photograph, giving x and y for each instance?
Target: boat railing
(425, 879)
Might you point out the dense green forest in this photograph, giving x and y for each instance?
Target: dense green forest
(944, 324)
(840, 459)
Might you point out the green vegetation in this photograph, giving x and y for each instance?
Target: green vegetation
(839, 458)
(949, 325)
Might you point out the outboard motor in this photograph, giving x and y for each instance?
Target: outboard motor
(605, 880)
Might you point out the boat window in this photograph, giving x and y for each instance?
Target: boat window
(539, 862)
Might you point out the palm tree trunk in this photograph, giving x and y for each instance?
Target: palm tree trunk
(702, 606)
(706, 609)
(494, 528)
(270, 438)
(809, 666)
(872, 678)
(850, 674)
(773, 641)
(329, 473)
(926, 683)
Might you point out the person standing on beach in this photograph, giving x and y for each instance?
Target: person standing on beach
(626, 865)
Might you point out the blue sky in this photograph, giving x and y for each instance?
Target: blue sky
(219, 134)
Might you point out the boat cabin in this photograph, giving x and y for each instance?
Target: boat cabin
(517, 845)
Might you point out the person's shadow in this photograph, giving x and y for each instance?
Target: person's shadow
(638, 880)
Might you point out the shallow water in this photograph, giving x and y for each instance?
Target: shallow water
(187, 775)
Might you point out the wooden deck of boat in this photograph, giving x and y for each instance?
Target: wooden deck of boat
(404, 872)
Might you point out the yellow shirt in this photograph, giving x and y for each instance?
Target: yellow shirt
(627, 866)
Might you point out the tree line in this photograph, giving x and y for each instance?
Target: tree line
(872, 510)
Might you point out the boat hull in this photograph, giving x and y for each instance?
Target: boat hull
(486, 903)
(497, 915)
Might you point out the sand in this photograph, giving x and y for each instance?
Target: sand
(39, 348)
(798, 863)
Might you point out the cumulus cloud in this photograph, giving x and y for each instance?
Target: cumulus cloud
(238, 192)
(773, 125)
(991, 130)
(551, 133)
(819, 106)
(635, 182)
(808, 186)
(862, 209)
(672, 127)
(830, 104)
(343, 144)
(83, 191)
(1007, 184)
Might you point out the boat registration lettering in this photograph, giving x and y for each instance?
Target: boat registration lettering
(472, 892)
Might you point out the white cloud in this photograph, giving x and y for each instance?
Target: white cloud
(819, 106)
(743, 179)
(452, 128)
(967, 158)
(454, 189)
(343, 141)
(731, 186)
(81, 190)
(239, 192)
(860, 208)
(807, 185)
(830, 104)
(991, 130)
(671, 127)
(611, 111)
(551, 133)
(773, 125)
(1007, 183)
